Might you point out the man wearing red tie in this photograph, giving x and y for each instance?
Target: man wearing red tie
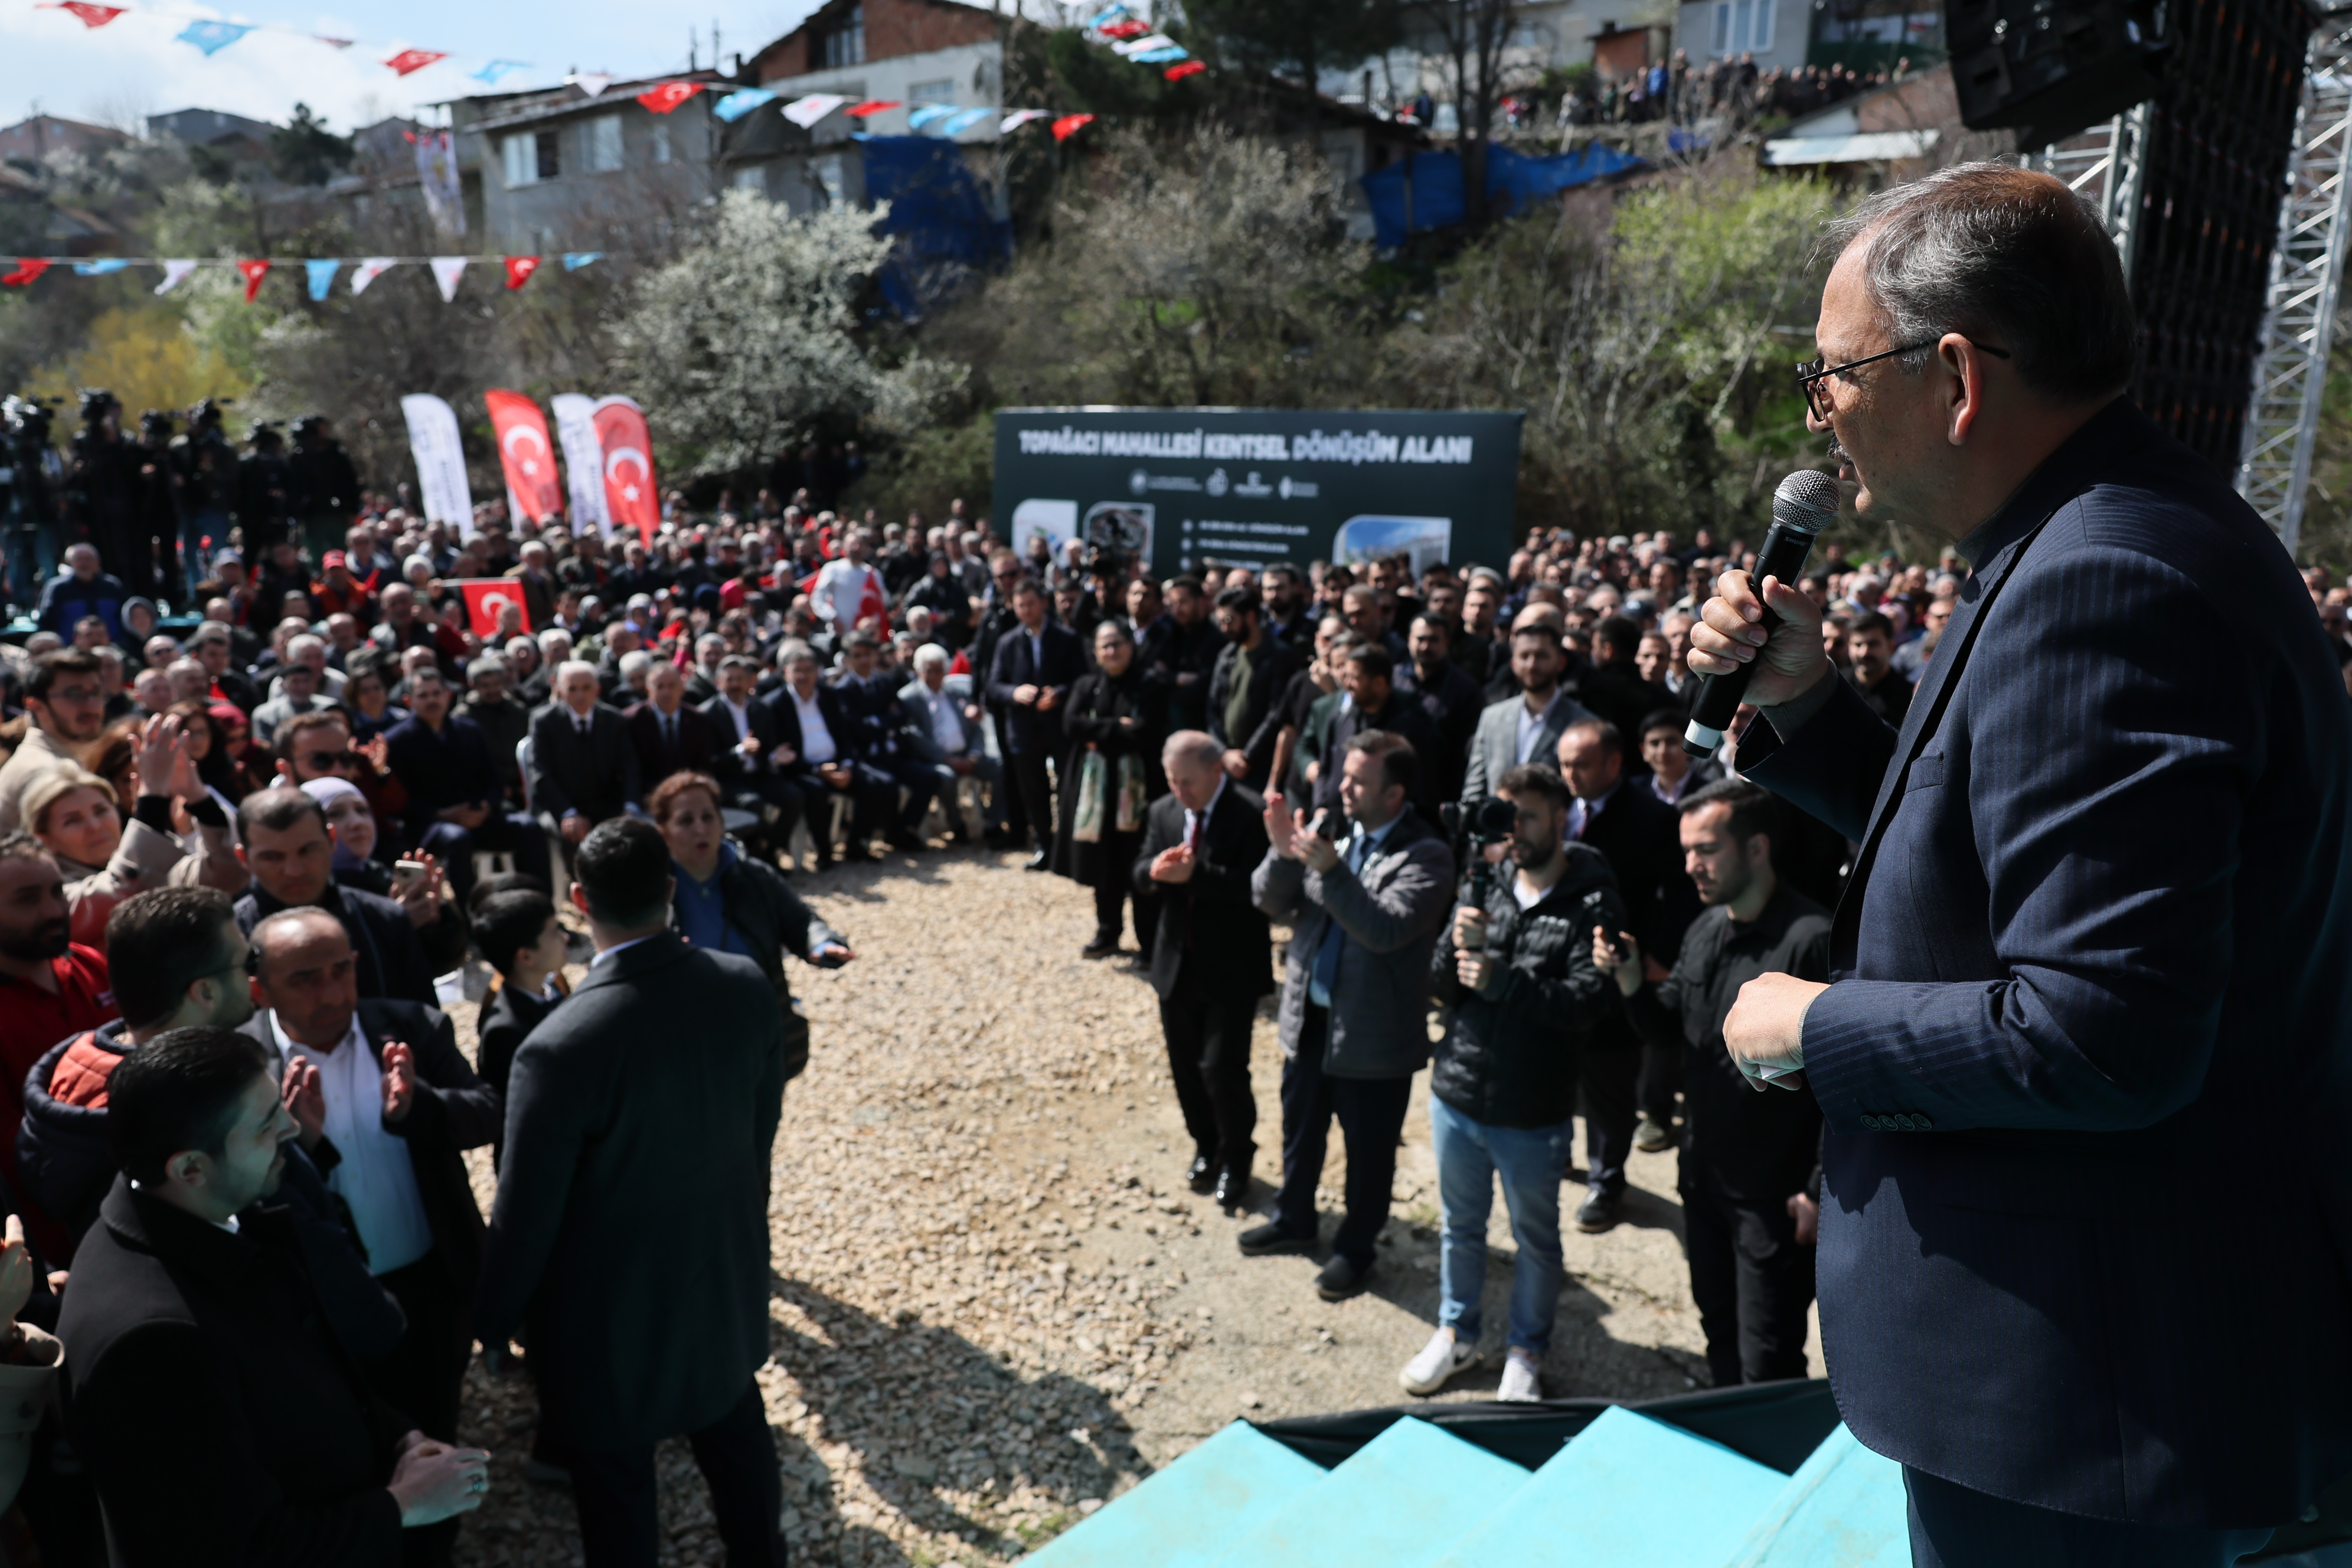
(1640, 836)
(1211, 956)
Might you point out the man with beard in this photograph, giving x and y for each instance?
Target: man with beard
(49, 987)
(1749, 1211)
(68, 702)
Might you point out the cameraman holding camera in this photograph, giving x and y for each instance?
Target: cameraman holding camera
(1515, 975)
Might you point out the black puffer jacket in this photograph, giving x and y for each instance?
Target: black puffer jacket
(1511, 1060)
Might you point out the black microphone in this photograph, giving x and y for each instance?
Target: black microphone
(1806, 502)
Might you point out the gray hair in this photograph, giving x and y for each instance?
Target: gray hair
(553, 638)
(2006, 257)
(633, 663)
(929, 654)
(793, 652)
(572, 667)
(1197, 744)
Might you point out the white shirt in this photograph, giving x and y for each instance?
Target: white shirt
(1197, 822)
(620, 947)
(946, 724)
(1531, 727)
(375, 1177)
(742, 713)
(817, 741)
(840, 589)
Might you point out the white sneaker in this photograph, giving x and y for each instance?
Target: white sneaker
(1435, 1365)
(1519, 1386)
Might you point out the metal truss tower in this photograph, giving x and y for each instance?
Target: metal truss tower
(2107, 166)
(2305, 282)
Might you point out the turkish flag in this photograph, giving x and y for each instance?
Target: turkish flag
(628, 446)
(486, 599)
(409, 60)
(27, 268)
(669, 95)
(253, 273)
(91, 15)
(1067, 126)
(520, 268)
(534, 490)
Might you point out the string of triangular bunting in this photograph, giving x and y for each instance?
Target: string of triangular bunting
(209, 36)
(319, 272)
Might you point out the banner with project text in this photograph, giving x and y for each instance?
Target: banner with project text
(1245, 487)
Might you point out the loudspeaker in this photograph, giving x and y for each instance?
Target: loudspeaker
(2051, 68)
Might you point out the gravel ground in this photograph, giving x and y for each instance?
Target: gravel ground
(996, 1305)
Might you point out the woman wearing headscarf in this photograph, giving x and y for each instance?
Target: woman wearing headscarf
(440, 924)
(1113, 769)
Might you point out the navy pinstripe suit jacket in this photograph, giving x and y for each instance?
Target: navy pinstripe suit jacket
(2087, 1066)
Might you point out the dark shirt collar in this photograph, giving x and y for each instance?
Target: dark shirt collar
(2109, 436)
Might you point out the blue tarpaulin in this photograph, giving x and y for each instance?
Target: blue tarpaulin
(1432, 184)
(940, 214)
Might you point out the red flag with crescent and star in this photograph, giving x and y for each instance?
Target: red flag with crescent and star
(668, 95)
(534, 490)
(91, 15)
(487, 598)
(520, 268)
(629, 492)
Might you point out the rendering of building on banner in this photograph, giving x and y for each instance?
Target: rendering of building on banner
(1184, 486)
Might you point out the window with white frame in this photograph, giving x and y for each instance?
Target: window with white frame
(843, 43)
(603, 138)
(1741, 26)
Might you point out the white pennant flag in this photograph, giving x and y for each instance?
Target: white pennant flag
(175, 274)
(367, 271)
(806, 112)
(591, 82)
(1019, 118)
(447, 270)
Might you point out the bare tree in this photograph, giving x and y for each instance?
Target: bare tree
(1472, 35)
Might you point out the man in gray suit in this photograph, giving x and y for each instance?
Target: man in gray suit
(1364, 914)
(629, 1244)
(1524, 729)
(945, 734)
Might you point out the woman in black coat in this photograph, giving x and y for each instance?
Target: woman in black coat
(1113, 712)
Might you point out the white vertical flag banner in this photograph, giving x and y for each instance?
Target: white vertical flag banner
(367, 271)
(583, 461)
(440, 457)
(447, 270)
(175, 274)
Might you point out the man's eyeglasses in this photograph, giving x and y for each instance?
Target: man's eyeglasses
(1813, 374)
(327, 761)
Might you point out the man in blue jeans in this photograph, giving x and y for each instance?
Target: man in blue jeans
(1521, 992)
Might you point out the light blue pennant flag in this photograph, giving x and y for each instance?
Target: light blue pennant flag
(736, 105)
(574, 261)
(965, 121)
(214, 36)
(322, 276)
(918, 118)
(1156, 57)
(101, 267)
(497, 68)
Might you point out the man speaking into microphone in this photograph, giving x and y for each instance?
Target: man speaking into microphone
(2086, 1066)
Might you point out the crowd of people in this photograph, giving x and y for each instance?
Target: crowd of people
(248, 859)
(1732, 88)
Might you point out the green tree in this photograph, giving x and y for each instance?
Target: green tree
(1297, 38)
(1472, 34)
(739, 345)
(305, 153)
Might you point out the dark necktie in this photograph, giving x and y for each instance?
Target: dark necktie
(669, 733)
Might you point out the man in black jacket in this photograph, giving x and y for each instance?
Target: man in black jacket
(583, 768)
(385, 1106)
(624, 1128)
(1368, 675)
(220, 1420)
(869, 702)
(285, 842)
(1188, 655)
(669, 736)
(1210, 956)
(456, 799)
(746, 742)
(520, 938)
(1616, 814)
(1749, 1210)
(1521, 994)
(1253, 670)
(1028, 680)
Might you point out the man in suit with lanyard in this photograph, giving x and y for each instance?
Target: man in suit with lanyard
(1210, 956)
(2090, 991)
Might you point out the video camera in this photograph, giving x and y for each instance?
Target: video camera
(1486, 823)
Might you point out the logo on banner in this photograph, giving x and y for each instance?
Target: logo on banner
(621, 458)
(1218, 483)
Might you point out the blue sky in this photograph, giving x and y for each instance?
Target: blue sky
(134, 66)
